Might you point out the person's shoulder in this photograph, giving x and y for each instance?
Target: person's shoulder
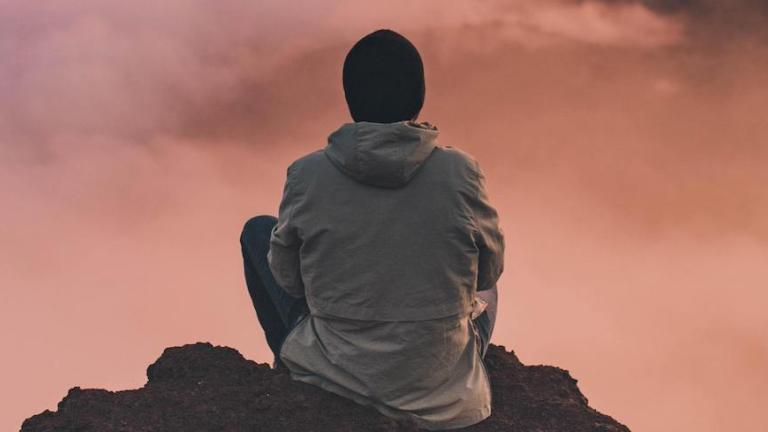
(305, 160)
(459, 158)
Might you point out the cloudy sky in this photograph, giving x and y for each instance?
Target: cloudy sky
(624, 142)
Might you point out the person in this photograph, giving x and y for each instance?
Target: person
(377, 279)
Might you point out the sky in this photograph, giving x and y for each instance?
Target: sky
(624, 144)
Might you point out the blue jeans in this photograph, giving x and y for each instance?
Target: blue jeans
(278, 312)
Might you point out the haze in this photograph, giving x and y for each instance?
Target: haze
(625, 144)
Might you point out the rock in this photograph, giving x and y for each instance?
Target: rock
(201, 387)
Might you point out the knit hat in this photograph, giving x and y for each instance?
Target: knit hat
(384, 78)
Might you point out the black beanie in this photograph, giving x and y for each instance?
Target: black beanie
(384, 78)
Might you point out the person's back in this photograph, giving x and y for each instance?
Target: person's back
(389, 236)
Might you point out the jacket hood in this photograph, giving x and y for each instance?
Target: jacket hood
(381, 154)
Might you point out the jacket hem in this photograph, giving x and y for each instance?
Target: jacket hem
(461, 422)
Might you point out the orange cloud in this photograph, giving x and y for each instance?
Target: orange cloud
(626, 155)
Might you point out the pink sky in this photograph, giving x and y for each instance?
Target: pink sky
(625, 148)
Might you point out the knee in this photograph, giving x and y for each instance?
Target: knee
(257, 226)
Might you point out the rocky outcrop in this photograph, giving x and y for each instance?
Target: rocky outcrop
(201, 387)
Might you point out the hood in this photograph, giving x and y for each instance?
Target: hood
(381, 154)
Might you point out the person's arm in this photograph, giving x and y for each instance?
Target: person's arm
(285, 244)
(489, 235)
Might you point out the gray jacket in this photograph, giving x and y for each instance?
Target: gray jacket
(389, 236)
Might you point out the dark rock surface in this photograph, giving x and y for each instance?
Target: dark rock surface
(199, 387)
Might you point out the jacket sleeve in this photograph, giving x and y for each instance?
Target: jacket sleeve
(285, 244)
(489, 235)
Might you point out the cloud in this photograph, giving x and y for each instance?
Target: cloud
(89, 75)
(127, 70)
(712, 20)
(135, 70)
(627, 159)
(89, 78)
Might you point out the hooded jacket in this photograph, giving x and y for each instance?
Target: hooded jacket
(389, 236)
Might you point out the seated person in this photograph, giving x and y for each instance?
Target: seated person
(377, 280)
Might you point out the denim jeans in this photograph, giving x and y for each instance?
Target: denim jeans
(278, 312)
